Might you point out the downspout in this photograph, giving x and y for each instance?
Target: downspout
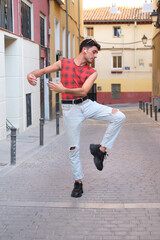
(135, 56)
(79, 21)
(67, 27)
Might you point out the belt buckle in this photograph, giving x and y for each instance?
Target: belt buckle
(81, 100)
(73, 101)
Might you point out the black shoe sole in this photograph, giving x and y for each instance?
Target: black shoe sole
(98, 165)
(78, 195)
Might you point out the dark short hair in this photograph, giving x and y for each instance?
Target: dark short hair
(88, 43)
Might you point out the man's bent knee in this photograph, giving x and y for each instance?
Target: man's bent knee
(120, 116)
(114, 110)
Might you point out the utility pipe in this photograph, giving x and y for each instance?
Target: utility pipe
(79, 21)
(67, 27)
(135, 24)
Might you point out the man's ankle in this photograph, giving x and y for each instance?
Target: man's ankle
(79, 181)
(102, 149)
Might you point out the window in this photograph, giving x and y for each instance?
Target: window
(116, 31)
(6, 14)
(64, 43)
(69, 45)
(43, 30)
(57, 42)
(117, 62)
(90, 32)
(116, 91)
(26, 19)
(42, 38)
(73, 46)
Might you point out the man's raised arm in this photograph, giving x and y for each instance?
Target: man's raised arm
(32, 77)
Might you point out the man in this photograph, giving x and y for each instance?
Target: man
(77, 78)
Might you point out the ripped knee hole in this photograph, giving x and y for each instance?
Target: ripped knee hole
(114, 110)
(72, 148)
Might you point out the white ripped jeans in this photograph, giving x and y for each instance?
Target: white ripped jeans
(73, 117)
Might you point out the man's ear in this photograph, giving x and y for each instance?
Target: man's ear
(85, 50)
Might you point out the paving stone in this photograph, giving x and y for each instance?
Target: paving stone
(122, 202)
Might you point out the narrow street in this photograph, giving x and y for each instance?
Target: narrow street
(120, 203)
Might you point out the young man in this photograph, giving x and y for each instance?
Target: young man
(77, 78)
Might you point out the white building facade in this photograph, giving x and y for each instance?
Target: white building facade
(19, 101)
(24, 44)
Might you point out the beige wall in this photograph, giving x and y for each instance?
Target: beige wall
(155, 31)
(156, 58)
(59, 12)
(135, 56)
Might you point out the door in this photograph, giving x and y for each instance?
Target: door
(28, 110)
(116, 91)
(92, 94)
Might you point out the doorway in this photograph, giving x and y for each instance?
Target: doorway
(92, 94)
(116, 91)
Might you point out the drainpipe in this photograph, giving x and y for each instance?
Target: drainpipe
(79, 21)
(135, 24)
(67, 26)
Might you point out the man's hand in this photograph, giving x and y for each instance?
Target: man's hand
(56, 87)
(32, 79)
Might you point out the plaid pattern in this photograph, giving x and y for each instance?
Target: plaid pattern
(73, 76)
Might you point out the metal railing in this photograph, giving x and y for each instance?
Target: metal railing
(9, 125)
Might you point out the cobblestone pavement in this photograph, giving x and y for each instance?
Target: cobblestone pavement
(120, 203)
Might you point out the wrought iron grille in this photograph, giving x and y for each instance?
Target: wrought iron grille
(6, 21)
(26, 20)
(42, 30)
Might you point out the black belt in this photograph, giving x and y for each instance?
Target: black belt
(74, 101)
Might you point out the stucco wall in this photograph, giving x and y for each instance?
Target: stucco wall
(156, 58)
(40, 6)
(59, 12)
(156, 65)
(137, 80)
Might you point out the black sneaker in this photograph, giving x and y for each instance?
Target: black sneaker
(98, 155)
(77, 190)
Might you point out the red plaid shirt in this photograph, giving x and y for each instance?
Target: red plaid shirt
(73, 76)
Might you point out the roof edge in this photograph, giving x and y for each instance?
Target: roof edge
(118, 21)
